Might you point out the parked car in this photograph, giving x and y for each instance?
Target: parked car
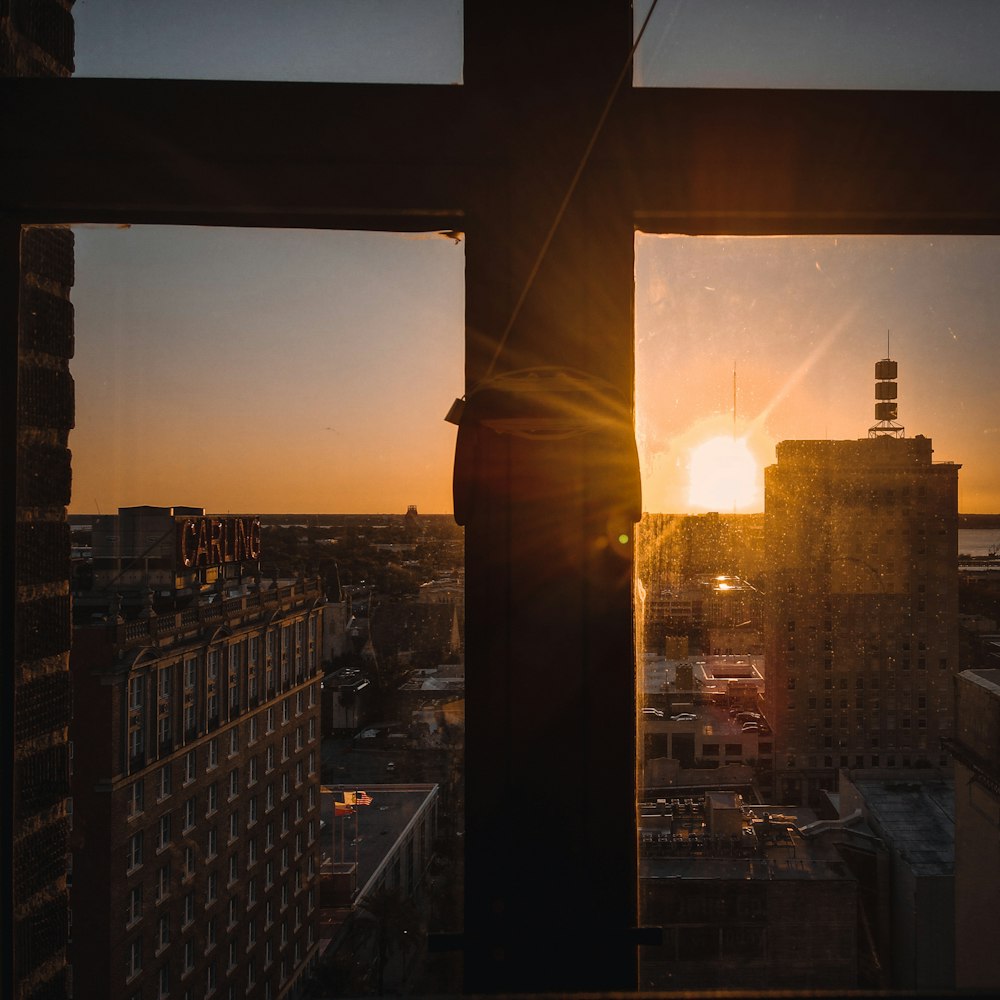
(654, 712)
(683, 717)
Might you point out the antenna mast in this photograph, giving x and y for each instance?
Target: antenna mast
(886, 410)
(734, 400)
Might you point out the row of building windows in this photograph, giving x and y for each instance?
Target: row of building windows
(134, 854)
(300, 701)
(164, 780)
(273, 945)
(859, 761)
(242, 687)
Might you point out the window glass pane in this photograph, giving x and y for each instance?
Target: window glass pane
(822, 44)
(302, 376)
(800, 628)
(348, 41)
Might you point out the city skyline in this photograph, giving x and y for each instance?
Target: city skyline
(336, 366)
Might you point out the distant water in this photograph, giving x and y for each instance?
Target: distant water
(978, 541)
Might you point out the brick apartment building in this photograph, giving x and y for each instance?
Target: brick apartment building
(861, 621)
(196, 736)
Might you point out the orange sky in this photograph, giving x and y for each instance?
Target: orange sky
(256, 371)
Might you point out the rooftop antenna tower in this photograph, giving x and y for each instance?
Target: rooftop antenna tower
(886, 410)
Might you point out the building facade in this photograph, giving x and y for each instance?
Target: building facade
(196, 814)
(861, 636)
(976, 750)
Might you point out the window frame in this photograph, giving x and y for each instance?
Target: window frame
(956, 196)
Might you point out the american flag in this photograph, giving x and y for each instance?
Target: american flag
(363, 798)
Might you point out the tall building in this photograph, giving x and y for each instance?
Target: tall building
(861, 637)
(196, 739)
(36, 40)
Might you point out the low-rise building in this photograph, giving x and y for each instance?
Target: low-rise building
(729, 884)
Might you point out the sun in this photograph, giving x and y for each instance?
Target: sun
(723, 475)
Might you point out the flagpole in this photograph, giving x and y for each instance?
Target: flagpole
(357, 832)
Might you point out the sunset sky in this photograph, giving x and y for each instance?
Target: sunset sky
(298, 371)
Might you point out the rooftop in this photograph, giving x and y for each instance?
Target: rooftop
(916, 814)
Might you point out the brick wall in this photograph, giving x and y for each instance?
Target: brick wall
(36, 39)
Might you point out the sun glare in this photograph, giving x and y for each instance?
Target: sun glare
(723, 475)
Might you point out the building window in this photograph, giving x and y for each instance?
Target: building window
(189, 813)
(213, 842)
(269, 759)
(286, 712)
(211, 933)
(234, 741)
(135, 693)
(189, 862)
(213, 753)
(269, 798)
(135, 803)
(163, 932)
(134, 852)
(212, 887)
(270, 720)
(233, 911)
(163, 838)
(213, 664)
(188, 909)
(252, 811)
(234, 783)
(133, 909)
(234, 825)
(163, 882)
(253, 729)
(165, 781)
(234, 868)
(190, 765)
(252, 771)
(133, 958)
(211, 980)
(251, 892)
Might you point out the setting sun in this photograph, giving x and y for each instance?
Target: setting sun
(723, 475)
